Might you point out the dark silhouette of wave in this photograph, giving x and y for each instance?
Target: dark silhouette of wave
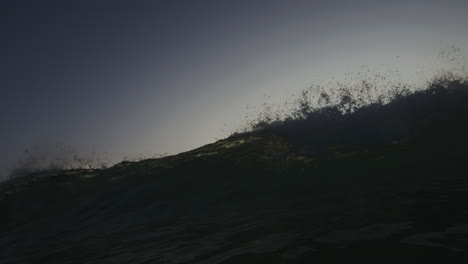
(404, 116)
(383, 182)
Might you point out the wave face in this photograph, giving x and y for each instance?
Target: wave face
(382, 183)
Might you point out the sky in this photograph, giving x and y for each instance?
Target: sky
(143, 77)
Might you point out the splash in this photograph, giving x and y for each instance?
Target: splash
(56, 157)
(357, 90)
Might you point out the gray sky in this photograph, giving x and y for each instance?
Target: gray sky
(140, 77)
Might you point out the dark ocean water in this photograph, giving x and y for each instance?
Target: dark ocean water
(276, 195)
